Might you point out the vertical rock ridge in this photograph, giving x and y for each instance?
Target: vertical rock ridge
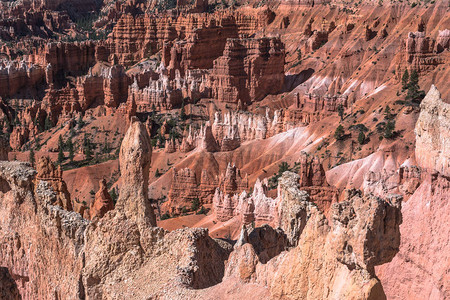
(135, 158)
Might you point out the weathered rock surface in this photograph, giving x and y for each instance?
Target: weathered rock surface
(186, 188)
(91, 256)
(333, 259)
(102, 202)
(339, 57)
(135, 159)
(419, 270)
(293, 207)
(403, 182)
(227, 201)
(314, 182)
(422, 52)
(433, 133)
(136, 37)
(15, 76)
(232, 128)
(8, 287)
(248, 70)
(124, 245)
(47, 173)
(310, 108)
(75, 58)
(42, 242)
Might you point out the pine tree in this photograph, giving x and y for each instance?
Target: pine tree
(340, 110)
(195, 204)
(32, 158)
(61, 149)
(414, 78)
(39, 125)
(80, 121)
(361, 138)
(70, 149)
(113, 195)
(389, 129)
(414, 94)
(405, 79)
(182, 112)
(36, 143)
(339, 134)
(387, 113)
(283, 167)
(105, 146)
(153, 110)
(48, 123)
(87, 148)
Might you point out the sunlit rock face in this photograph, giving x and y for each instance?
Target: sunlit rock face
(362, 232)
(135, 158)
(433, 133)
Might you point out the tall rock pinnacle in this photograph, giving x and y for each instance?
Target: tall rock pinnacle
(135, 158)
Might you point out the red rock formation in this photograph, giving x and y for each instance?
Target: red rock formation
(317, 39)
(313, 181)
(136, 37)
(423, 53)
(188, 142)
(102, 203)
(226, 198)
(248, 70)
(106, 87)
(207, 187)
(160, 93)
(185, 189)
(19, 76)
(122, 254)
(170, 146)
(206, 141)
(259, 207)
(264, 206)
(311, 171)
(183, 192)
(203, 140)
(248, 211)
(311, 108)
(52, 176)
(131, 110)
(232, 128)
(63, 254)
(71, 58)
(443, 40)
